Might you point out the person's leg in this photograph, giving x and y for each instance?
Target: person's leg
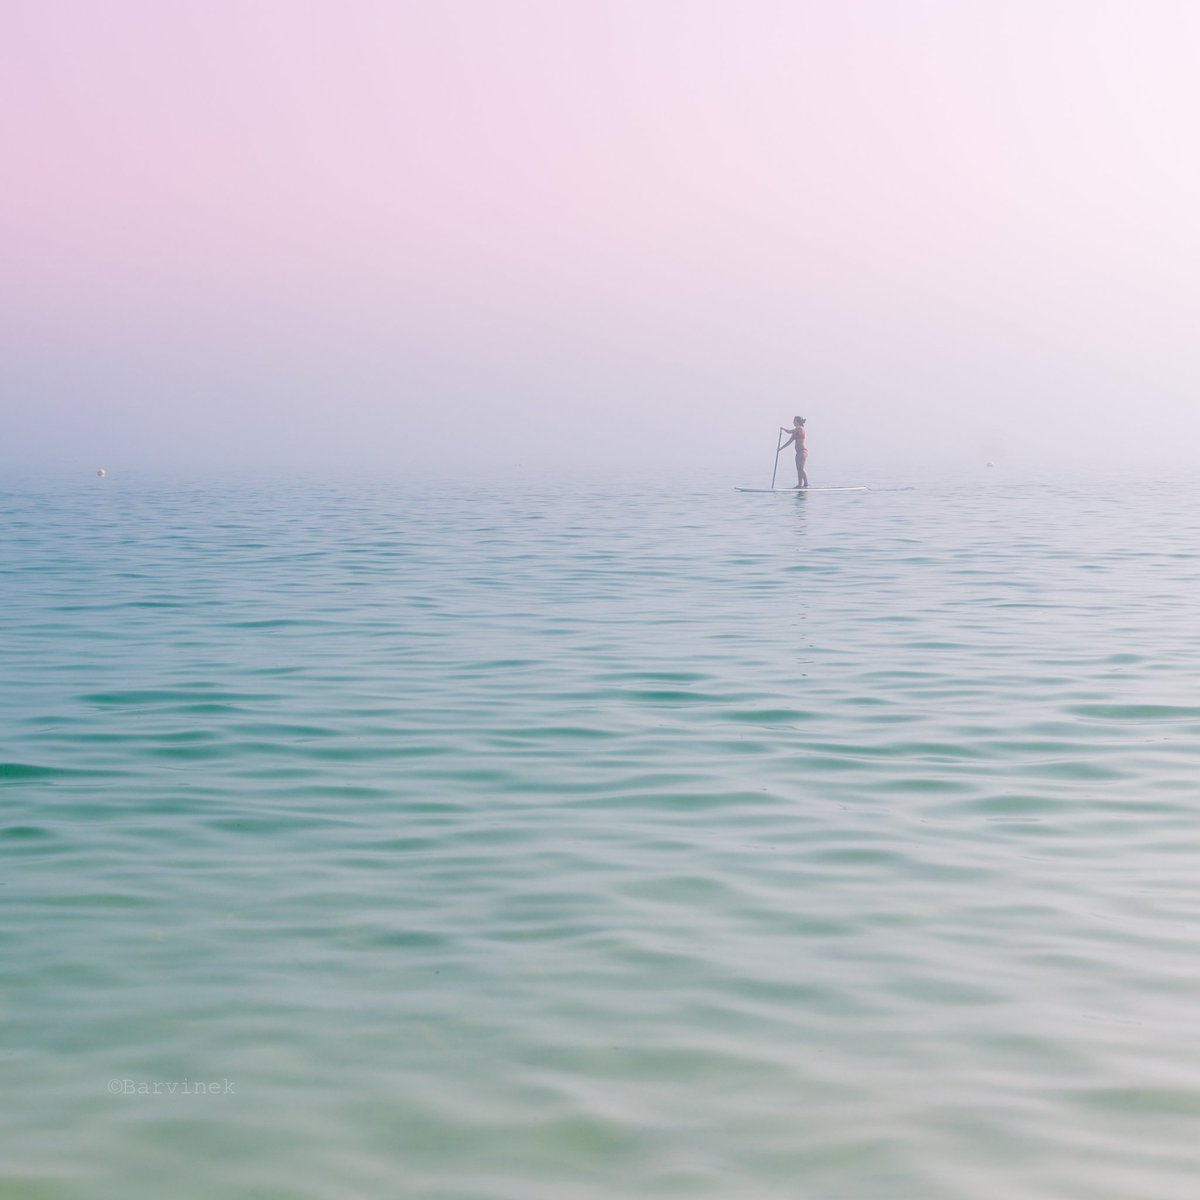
(801, 469)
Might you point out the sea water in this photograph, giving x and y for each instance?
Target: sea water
(580, 840)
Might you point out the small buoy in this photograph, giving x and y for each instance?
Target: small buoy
(102, 472)
(989, 463)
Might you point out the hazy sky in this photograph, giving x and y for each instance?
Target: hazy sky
(459, 234)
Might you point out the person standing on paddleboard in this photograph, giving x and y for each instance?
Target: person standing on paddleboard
(797, 433)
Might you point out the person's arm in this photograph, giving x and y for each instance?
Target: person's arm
(785, 445)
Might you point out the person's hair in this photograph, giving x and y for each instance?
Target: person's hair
(797, 420)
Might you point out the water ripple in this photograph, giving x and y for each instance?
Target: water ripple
(588, 843)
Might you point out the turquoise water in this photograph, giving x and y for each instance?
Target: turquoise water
(566, 841)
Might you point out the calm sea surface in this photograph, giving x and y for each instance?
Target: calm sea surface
(570, 842)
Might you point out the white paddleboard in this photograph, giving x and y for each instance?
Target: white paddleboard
(793, 491)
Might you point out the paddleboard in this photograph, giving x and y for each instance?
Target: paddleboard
(793, 491)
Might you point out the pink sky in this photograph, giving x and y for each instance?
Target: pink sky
(280, 229)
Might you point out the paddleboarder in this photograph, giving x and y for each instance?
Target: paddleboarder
(797, 436)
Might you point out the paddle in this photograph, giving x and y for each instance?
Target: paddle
(777, 450)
